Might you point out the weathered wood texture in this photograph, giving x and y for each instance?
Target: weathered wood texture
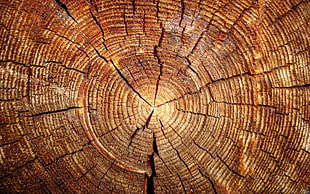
(163, 96)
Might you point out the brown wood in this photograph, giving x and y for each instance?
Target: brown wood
(162, 96)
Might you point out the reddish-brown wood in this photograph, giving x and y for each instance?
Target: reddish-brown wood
(156, 96)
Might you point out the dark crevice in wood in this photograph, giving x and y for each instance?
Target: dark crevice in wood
(102, 57)
(182, 12)
(220, 75)
(15, 62)
(73, 69)
(155, 148)
(160, 40)
(132, 75)
(10, 143)
(41, 42)
(86, 172)
(128, 84)
(232, 170)
(281, 113)
(79, 47)
(308, 152)
(9, 100)
(189, 66)
(101, 29)
(66, 9)
(55, 111)
(148, 120)
(210, 181)
(150, 187)
(289, 87)
(204, 149)
(70, 153)
(198, 113)
(160, 72)
(177, 152)
(125, 21)
(121, 123)
(184, 190)
(269, 153)
(133, 4)
(95, 6)
(150, 179)
(201, 36)
(106, 172)
(2, 124)
(142, 128)
(212, 185)
(19, 167)
(56, 62)
(133, 135)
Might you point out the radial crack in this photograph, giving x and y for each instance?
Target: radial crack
(155, 149)
(160, 73)
(105, 173)
(73, 69)
(18, 63)
(125, 21)
(72, 153)
(182, 12)
(148, 120)
(56, 111)
(197, 42)
(19, 167)
(194, 113)
(157, 10)
(150, 179)
(133, 135)
(113, 129)
(128, 84)
(197, 113)
(158, 60)
(105, 59)
(182, 183)
(210, 181)
(199, 146)
(295, 86)
(143, 127)
(101, 29)
(189, 65)
(66, 9)
(79, 47)
(86, 172)
(133, 3)
(178, 98)
(160, 40)
(177, 152)
(232, 170)
(92, 4)
(207, 86)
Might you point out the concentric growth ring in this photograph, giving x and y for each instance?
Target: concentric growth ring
(154, 96)
(136, 102)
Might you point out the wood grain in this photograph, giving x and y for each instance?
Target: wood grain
(162, 96)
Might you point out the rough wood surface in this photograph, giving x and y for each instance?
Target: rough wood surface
(162, 96)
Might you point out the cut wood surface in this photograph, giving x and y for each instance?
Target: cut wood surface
(155, 96)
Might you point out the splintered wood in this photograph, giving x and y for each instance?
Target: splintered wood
(157, 96)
